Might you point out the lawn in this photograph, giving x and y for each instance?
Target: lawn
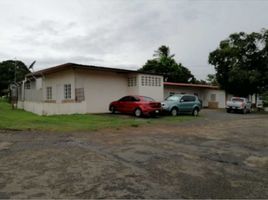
(21, 120)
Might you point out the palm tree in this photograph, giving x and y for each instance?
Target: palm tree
(163, 52)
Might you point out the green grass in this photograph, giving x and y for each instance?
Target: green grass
(21, 120)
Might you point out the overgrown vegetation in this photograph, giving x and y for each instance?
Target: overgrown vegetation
(21, 120)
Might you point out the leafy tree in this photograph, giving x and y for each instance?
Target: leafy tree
(10, 71)
(212, 80)
(241, 63)
(164, 63)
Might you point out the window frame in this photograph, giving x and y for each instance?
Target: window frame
(49, 93)
(67, 91)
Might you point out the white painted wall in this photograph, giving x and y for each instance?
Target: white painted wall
(57, 81)
(42, 108)
(220, 97)
(202, 93)
(155, 92)
(101, 88)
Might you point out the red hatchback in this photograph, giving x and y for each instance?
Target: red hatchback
(137, 105)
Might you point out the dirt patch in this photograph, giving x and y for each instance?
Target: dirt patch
(218, 155)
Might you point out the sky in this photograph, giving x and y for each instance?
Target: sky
(123, 33)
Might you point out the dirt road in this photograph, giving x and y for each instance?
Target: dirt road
(218, 155)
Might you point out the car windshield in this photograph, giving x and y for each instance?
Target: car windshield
(147, 99)
(173, 98)
(237, 100)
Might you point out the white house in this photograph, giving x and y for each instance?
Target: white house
(74, 88)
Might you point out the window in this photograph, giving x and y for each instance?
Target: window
(147, 99)
(126, 98)
(79, 94)
(132, 81)
(173, 98)
(28, 85)
(67, 91)
(49, 93)
(188, 98)
(142, 81)
(150, 81)
(213, 97)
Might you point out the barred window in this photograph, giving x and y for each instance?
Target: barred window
(132, 81)
(49, 93)
(28, 85)
(67, 91)
(150, 81)
(142, 81)
(79, 94)
(212, 97)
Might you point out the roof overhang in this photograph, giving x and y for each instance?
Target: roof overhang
(80, 66)
(191, 85)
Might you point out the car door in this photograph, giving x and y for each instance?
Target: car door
(122, 103)
(186, 103)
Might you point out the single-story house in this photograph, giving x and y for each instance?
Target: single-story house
(74, 88)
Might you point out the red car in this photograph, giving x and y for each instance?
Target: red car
(137, 105)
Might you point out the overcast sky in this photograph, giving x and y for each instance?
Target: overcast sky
(122, 34)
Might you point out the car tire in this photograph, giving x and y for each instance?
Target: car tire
(174, 112)
(195, 112)
(244, 111)
(228, 110)
(138, 112)
(112, 109)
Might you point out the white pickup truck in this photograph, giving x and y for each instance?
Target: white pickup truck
(238, 104)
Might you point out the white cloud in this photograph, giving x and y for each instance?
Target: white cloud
(122, 33)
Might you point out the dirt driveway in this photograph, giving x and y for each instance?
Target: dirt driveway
(218, 155)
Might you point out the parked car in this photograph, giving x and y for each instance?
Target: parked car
(239, 104)
(182, 103)
(137, 105)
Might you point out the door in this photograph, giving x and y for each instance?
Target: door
(122, 103)
(187, 103)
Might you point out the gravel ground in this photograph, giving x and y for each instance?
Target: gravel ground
(218, 155)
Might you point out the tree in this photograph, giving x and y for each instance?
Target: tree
(212, 80)
(241, 63)
(11, 71)
(164, 63)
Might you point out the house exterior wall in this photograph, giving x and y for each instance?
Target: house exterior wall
(203, 93)
(101, 88)
(219, 97)
(154, 91)
(57, 105)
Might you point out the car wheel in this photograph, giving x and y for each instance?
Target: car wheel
(228, 111)
(112, 109)
(244, 110)
(138, 112)
(195, 112)
(174, 111)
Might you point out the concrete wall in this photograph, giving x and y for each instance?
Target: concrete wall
(155, 92)
(220, 97)
(57, 81)
(42, 108)
(101, 88)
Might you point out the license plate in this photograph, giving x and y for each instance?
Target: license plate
(233, 107)
(157, 111)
